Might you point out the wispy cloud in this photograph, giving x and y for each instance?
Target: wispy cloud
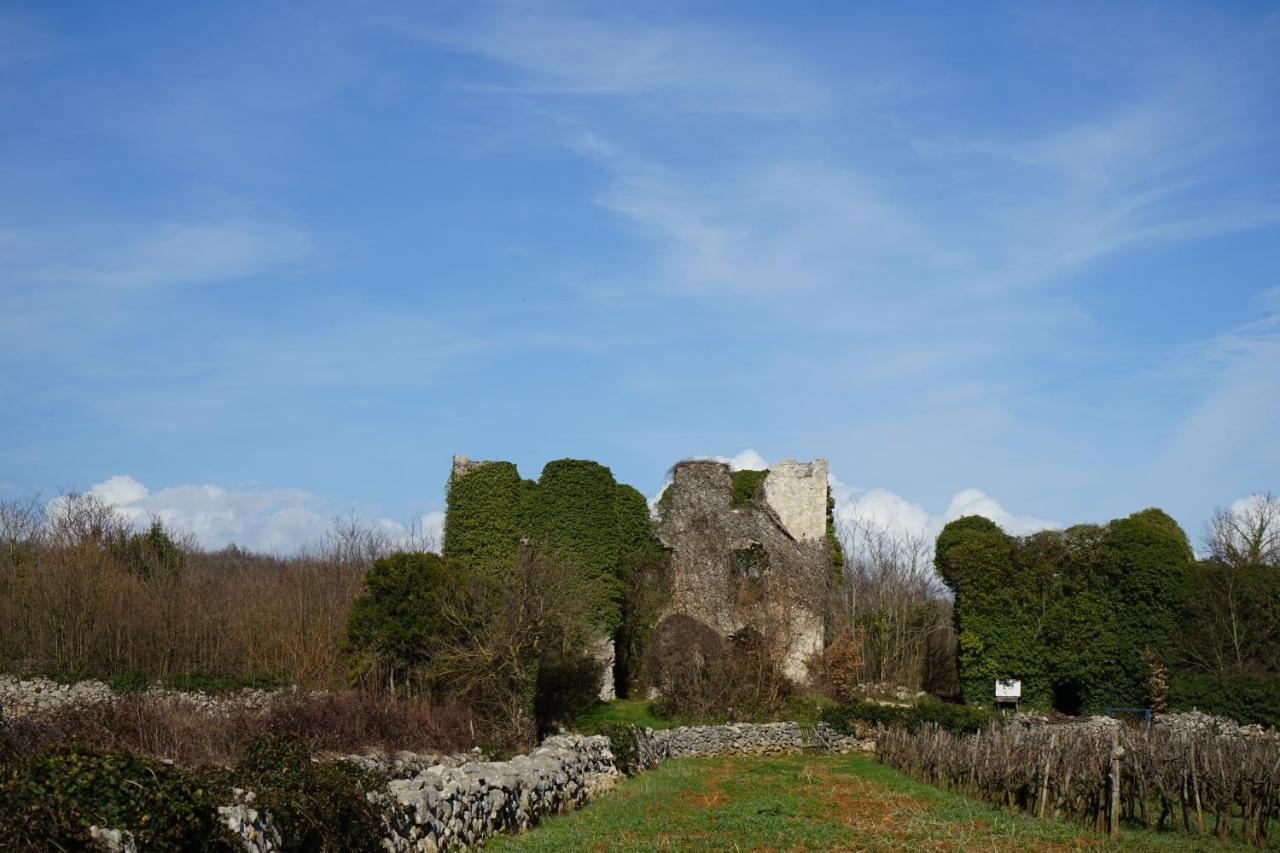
(685, 67)
(169, 253)
(1228, 437)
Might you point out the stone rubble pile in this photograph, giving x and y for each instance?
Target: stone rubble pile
(398, 765)
(888, 694)
(19, 697)
(1190, 722)
(1195, 722)
(22, 696)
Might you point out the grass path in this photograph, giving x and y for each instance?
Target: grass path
(806, 802)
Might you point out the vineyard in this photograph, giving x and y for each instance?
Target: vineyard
(1201, 780)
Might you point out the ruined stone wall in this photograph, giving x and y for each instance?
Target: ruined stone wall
(797, 493)
(761, 565)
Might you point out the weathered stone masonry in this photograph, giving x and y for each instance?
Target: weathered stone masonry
(762, 566)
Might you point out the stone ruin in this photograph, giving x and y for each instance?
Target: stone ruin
(761, 564)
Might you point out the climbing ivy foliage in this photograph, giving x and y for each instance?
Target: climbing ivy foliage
(748, 487)
(1070, 612)
(575, 510)
(575, 515)
(486, 518)
(834, 549)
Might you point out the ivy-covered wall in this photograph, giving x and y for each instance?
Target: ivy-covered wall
(1070, 612)
(575, 509)
(487, 504)
(574, 513)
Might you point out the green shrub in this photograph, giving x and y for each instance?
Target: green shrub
(1246, 699)
(748, 487)
(132, 681)
(204, 682)
(50, 801)
(843, 718)
(622, 742)
(391, 622)
(152, 554)
(318, 805)
(929, 711)
(949, 716)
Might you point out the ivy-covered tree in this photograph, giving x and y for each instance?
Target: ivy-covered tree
(1149, 563)
(1070, 613)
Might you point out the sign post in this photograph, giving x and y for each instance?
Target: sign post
(1008, 694)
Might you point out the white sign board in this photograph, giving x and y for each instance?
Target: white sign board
(1008, 688)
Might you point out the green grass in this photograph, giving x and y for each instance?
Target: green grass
(807, 802)
(631, 712)
(802, 708)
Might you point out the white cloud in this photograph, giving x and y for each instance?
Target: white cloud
(273, 520)
(975, 502)
(120, 490)
(1227, 439)
(892, 512)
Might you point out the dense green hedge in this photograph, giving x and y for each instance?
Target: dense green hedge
(1248, 699)
(1067, 612)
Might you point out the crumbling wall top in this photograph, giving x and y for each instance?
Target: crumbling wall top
(797, 492)
(463, 465)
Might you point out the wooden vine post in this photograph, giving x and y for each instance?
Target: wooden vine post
(1113, 791)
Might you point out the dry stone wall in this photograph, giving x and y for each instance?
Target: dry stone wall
(653, 746)
(453, 805)
(458, 807)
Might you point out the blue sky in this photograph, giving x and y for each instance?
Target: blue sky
(262, 263)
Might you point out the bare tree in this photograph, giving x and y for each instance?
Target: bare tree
(353, 541)
(1247, 533)
(78, 518)
(496, 638)
(895, 601)
(22, 522)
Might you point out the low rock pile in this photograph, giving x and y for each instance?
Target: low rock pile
(22, 696)
(1195, 722)
(402, 763)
